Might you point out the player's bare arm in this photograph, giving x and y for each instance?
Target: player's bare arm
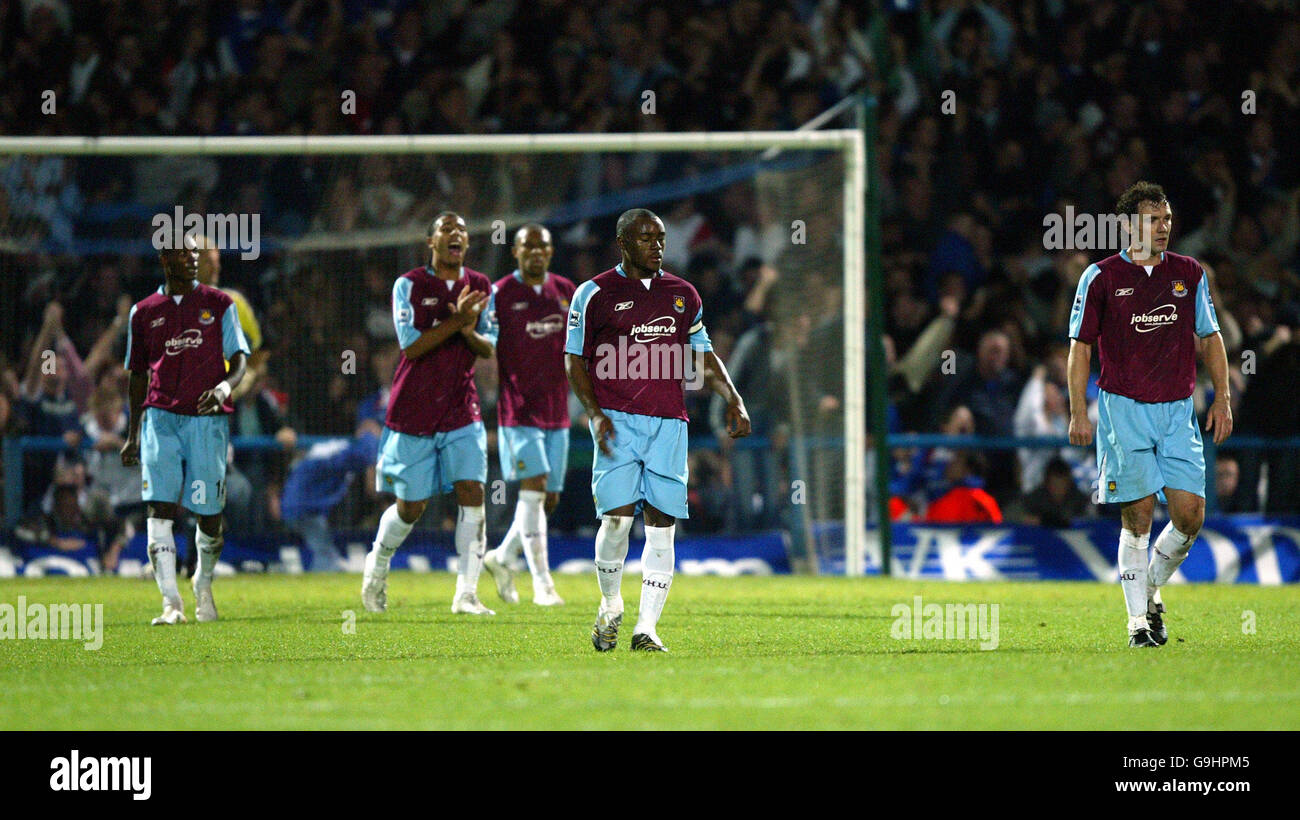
(719, 381)
(477, 342)
(1219, 418)
(138, 390)
(575, 367)
(256, 370)
(1078, 365)
(468, 306)
(211, 400)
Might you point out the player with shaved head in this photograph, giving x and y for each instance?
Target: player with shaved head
(532, 408)
(621, 319)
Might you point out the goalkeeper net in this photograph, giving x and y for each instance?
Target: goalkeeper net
(313, 234)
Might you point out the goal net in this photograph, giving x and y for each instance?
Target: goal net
(314, 231)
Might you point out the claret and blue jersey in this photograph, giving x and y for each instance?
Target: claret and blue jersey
(1144, 325)
(612, 306)
(435, 393)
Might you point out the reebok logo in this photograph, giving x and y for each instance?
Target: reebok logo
(622, 306)
(102, 774)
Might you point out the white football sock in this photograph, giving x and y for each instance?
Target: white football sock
(471, 543)
(162, 554)
(530, 512)
(1171, 548)
(209, 551)
(1133, 576)
(611, 551)
(392, 532)
(656, 577)
(512, 543)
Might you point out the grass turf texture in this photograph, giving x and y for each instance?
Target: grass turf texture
(747, 653)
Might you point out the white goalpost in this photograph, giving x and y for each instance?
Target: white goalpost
(848, 143)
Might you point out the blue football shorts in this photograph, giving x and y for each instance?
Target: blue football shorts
(531, 451)
(183, 459)
(414, 468)
(1144, 447)
(647, 465)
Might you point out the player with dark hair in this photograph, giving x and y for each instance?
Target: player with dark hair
(636, 333)
(532, 408)
(1148, 311)
(178, 342)
(433, 439)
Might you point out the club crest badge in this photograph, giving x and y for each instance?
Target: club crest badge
(1180, 289)
(206, 317)
(679, 304)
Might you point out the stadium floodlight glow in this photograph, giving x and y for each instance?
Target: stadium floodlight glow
(849, 143)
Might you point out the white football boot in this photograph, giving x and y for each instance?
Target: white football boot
(502, 575)
(173, 613)
(544, 593)
(467, 603)
(374, 586)
(205, 609)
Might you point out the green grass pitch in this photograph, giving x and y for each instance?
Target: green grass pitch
(778, 652)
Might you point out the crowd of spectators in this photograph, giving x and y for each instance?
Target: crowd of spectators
(991, 115)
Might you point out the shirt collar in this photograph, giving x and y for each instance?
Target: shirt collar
(623, 273)
(1125, 256)
(434, 274)
(162, 289)
(519, 276)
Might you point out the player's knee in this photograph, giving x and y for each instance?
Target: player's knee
(211, 525)
(1136, 517)
(654, 518)
(469, 494)
(1189, 518)
(616, 525)
(552, 501)
(410, 511)
(162, 511)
